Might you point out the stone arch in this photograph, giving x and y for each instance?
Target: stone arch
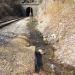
(28, 1)
(29, 11)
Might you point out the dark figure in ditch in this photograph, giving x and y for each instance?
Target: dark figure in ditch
(38, 61)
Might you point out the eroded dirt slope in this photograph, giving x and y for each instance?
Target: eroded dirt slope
(56, 22)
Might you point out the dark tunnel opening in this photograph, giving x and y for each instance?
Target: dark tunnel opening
(29, 12)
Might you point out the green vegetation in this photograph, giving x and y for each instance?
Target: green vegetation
(40, 1)
(32, 23)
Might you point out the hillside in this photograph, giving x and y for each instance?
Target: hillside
(40, 45)
(56, 22)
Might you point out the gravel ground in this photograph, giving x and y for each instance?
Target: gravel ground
(16, 56)
(15, 28)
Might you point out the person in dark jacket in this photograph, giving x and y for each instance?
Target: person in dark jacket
(38, 60)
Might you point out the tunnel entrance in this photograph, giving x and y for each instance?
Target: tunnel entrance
(29, 12)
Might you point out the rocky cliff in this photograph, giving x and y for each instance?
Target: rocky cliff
(56, 22)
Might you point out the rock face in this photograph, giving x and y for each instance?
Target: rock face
(56, 22)
(6, 10)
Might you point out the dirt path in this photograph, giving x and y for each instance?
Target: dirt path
(16, 28)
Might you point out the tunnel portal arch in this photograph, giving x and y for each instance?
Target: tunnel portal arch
(29, 11)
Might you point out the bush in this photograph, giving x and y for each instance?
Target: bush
(32, 23)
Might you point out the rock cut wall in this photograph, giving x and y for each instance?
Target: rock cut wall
(56, 22)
